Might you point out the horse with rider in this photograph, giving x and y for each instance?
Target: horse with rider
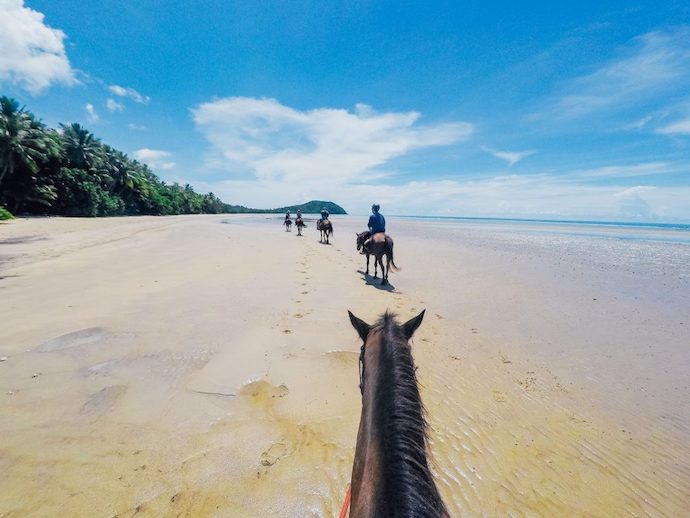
(376, 242)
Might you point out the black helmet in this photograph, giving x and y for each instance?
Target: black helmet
(375, 207)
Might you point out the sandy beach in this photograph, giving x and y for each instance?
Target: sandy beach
(205, 366)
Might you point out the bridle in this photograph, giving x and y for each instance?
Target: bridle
(361, 369)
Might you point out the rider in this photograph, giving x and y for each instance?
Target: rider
(287, 215)
(299, 214)
(376, 224)
(324, 214)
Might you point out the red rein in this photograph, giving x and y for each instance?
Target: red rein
(346, 503)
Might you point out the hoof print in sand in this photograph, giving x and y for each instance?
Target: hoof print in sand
(262, 390)
(272, 455)
(499, 397)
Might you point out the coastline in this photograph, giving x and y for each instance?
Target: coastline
(552, 366)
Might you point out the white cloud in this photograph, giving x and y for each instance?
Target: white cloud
(653, 64)
(154, 158)
(632, 203)
(136, 127)
(32, 55)
(529, 196)
(628, 170)
(91, 114)
(114, 106)
(512, 157)
(680, 127)
(122, 91)
(336, 146)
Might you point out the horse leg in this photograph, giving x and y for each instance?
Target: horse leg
(376, 267)
(367, 264)
(383, 271)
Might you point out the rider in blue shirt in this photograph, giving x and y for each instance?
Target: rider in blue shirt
(377, 223)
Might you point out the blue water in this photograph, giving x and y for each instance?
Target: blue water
(646, 231)
(668, 226)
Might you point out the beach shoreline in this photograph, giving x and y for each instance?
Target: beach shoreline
(205, 364)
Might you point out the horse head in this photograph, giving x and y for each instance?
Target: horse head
(360, 239)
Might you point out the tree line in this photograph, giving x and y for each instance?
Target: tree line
(70, 172)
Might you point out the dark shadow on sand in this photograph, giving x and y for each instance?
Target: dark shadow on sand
(370, 280)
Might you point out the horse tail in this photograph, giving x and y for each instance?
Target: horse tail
(392, 261)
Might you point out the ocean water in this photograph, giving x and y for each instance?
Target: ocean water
(641, 231)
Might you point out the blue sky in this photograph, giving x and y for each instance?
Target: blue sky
(510, 109)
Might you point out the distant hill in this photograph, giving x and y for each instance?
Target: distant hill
(311, 207)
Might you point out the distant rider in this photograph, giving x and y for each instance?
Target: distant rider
(324, 215)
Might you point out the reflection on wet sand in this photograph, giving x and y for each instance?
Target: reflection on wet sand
(211, 394)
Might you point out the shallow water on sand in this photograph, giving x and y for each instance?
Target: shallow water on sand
(202, 369)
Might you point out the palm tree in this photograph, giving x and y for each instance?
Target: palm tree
(23, 142)
(82, 149)
(120, 168)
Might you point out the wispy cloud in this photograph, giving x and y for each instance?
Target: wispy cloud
(131, 93)
(154, 158)
(114, 106)
(276, 142)
(679, 127)
(627, 171)
(136, 127)
(649, 66)
(32, 54)
(91, 114)
(512, 157)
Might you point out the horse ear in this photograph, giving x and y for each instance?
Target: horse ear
(360, 326)
(411, 325)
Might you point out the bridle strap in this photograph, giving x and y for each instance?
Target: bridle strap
(361, 370)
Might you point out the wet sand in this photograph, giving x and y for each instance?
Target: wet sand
(205, 366)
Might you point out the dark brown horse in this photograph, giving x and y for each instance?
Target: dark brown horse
(288, 225)
(300, 224)
(326, 229)
(379, 245)
(390, 474)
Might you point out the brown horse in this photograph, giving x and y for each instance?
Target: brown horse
(300, 224)
(379, 245)
(288, 225)
(390, 473)
(326, 229)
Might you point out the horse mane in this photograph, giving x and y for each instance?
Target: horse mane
(408, 486)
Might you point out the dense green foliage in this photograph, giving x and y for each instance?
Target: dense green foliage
(5, 214)
(70, 172)
(314, 207)
(311, 207)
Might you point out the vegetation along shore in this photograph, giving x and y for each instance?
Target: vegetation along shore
(70, 172)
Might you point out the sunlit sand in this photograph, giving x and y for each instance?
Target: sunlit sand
(205, 366)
